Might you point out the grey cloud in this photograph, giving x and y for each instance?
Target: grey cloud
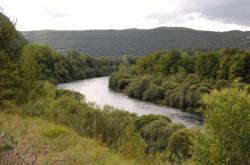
(227, 11)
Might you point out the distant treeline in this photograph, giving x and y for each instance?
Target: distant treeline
(179, 79)
(65, 67)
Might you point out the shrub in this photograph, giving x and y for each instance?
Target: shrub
(153, 93)
(137, 88)
(131, 144)
(144, 120)
(221, 84)
(157, 133)
(179, 143)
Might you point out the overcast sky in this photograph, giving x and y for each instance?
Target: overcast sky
(215, 15)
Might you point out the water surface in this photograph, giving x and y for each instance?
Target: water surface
(96, 90)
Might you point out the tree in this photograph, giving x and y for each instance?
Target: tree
(206, 65)
(30, 66)
(11, 44)
(241, 68)
(226, 139)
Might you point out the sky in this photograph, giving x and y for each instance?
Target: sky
(213, 15)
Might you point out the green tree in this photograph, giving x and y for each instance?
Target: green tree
(30, 67)
(206, 65)
(241, 68)
(226, 139)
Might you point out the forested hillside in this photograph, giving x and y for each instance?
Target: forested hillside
(41, 124)
(115, 43)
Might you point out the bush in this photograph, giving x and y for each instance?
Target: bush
(153, 93)
(137, 88)
(221, 84)
(144, 120)
(179, 143)
(157, 133)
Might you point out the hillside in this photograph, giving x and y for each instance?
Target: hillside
(56, 144)
(138, 41)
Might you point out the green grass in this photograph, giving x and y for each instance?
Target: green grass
(56, 144)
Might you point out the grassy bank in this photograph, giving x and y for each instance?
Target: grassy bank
(56, 144)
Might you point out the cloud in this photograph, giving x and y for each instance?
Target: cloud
(54, 14)
(226, 11)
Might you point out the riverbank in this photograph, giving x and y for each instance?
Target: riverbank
(96, 90)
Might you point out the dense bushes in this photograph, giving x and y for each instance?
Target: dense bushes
(135, 137)
(69, 109)
(180, 79)
(226, 139)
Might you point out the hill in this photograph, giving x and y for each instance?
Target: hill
(138, 41)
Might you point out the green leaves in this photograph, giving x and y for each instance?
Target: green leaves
(227, 128)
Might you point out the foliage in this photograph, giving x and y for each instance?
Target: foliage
(180, 79)
(131, 144)
(153, 93)
(179, 144)
(63, 68)
(144, 120)
(157, 133)
(11, 44)
(226, 138)
(137, 88)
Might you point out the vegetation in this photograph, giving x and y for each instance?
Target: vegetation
(225, 139)
(138, 41)
(63, 68)
(60, 123)
(180, 79)
(56, 144)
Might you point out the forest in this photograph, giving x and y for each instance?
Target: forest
(217, 83)
(179, 79)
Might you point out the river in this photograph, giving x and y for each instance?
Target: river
(96, 90)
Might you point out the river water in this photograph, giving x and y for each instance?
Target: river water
(96, 90)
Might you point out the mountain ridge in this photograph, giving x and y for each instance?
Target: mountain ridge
(134, 41)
